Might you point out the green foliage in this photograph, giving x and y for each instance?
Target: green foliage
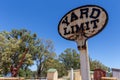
(14, 43)
(25, 73)
(12, 47)
(22, 73)
(95, 64)
(1, 75)
(70, 58)
(54, 63)
(45, 51)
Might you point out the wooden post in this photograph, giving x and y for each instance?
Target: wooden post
(72, 76)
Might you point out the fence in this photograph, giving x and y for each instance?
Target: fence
(11, 78)
(35, 78)
(108, 78)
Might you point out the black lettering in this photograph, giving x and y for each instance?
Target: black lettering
(79, 28)
(65, 21)
(66, 32)
(94, 22)
(95, 13)
(73, 17)
(83, 26)
(72, 29)
(84, 12)
(87, 26)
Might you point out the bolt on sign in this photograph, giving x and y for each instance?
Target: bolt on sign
(82, 23)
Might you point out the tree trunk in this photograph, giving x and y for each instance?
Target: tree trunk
(14, 70)
(39, 71)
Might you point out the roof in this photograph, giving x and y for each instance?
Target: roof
(52, 70)
(114, 69)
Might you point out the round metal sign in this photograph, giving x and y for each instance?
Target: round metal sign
(83, 22)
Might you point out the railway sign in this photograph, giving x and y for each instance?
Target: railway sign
(79, 25)
(83, 22)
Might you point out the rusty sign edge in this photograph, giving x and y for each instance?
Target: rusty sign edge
(82, 7)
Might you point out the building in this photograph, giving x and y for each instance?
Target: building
(52, 74)
(116, 73)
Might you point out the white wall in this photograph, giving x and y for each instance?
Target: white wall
(116, 73)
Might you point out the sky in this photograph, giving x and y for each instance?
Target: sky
(42, 17)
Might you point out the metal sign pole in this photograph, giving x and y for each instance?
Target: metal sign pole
(84, 61)
(85, 69)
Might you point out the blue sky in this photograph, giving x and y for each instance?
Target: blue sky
(42, 17)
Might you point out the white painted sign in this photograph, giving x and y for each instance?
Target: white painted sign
(85, 21)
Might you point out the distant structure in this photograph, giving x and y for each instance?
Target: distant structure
(98, 74)
(77, 74)
(52, 74)
(116, 73)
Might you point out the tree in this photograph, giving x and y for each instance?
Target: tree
(45, 51)
(55, 64)
(12, 47)
(7, 47)
(28, 73)
(70, 58)
(95, 64)
(2, 40)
